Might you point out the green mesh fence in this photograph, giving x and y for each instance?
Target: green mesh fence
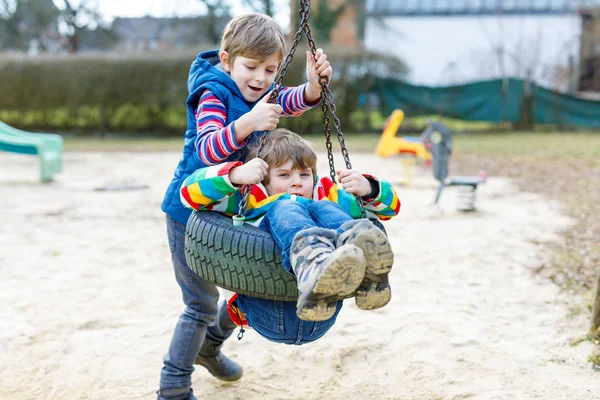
(492, 101)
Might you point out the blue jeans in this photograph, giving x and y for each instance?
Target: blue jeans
(203, 317)
(277, 320)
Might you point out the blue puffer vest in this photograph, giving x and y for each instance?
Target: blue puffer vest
(203, 75)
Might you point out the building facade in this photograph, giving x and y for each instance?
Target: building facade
(447, 42)
(348, 30)
(589, 77)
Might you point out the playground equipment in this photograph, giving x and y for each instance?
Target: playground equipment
(438, 139)
(48, 147)
(243, 258)
(410, 148)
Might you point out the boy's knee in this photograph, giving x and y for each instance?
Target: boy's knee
(287, 205)
(203, 309)
(322, 205)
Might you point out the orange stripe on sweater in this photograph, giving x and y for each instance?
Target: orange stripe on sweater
(185, 193)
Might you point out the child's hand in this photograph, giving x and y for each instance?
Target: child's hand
(250, 173)
(354, 182)
(316, 68)
(264, 116)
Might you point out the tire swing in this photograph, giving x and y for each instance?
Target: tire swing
(241, 257)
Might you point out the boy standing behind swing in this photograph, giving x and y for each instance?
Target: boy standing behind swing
(324, 242)
(227, 102)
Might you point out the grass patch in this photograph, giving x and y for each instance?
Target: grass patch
(541, 146)
(595, 358)
(355, 142)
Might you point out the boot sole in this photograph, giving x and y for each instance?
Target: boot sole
(342, 275)
(316, 310)
(375, 291)
(376, 249)
(373, 295)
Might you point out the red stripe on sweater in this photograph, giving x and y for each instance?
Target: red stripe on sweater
(258, 194)
(224, 170)
(185, 193)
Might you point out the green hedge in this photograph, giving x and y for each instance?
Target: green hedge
(109, 93)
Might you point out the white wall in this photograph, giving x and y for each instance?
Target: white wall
(458, 49)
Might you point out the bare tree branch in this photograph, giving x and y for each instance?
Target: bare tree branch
(215, 9)
(78, 18)
(7, 8)
(261, 6)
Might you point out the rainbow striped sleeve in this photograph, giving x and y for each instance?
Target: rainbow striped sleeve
(210, 189)
(385, 206)
(291, 99)
(214, 141)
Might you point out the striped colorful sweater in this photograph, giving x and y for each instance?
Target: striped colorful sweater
(210, 189)
(215, 141)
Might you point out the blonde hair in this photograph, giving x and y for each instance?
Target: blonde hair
(282, 145)
(253, 35)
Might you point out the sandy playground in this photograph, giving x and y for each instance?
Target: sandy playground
(89, 301)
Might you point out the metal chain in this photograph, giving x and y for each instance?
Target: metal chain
(329, 99)
(327, 133)
(327, 105)
(273, 99)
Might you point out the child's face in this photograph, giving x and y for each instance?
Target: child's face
(286, 179)
(252, 76)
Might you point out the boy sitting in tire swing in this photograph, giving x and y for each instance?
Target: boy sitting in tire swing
(316, 224)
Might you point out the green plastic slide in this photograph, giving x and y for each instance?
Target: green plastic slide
(48, 147)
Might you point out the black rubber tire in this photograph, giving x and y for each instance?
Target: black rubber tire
(242, 259)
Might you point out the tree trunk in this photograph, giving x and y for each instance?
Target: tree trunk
(74, 42)
(268, 8)
(213, 33)
(596, 308)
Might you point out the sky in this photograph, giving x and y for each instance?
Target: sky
(170, 8)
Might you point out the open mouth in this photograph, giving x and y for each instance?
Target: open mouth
(254, 88)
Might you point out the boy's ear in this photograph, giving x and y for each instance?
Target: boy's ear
(224, 58)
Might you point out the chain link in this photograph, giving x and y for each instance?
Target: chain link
(273, 98)
(327, 97)
(327, 105)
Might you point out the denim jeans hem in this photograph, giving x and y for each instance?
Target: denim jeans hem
(175, 384)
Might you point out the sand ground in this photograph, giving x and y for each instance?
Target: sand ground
(88, 298)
